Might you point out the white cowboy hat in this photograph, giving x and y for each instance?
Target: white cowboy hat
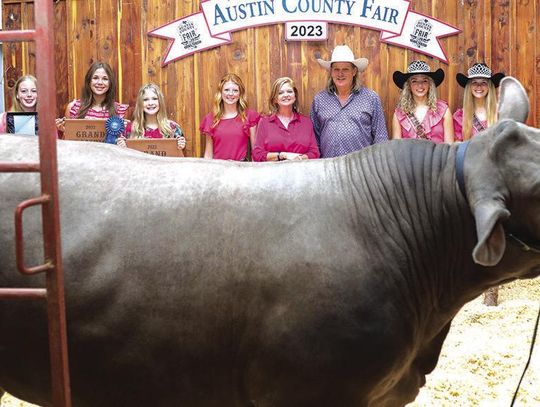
(342, 53)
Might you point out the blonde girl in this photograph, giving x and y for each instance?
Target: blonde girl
(150, 118)
(479, 101)
(419, 112)
(24, 98)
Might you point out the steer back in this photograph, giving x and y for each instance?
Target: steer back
(198, 282)
(326, 282)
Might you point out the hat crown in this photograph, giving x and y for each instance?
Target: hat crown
(342, 53)
(479, 71)
(418, 67)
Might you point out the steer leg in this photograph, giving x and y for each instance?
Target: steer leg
(491, 296)
(413, 378)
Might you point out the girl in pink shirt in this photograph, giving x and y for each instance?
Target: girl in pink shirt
(479, 101)
(231, 125)
(150, 118)
(98, 97)
(285, 134)
(419, 114)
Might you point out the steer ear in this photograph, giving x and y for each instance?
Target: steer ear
(513, 100)
(508, 135)
(491, 241)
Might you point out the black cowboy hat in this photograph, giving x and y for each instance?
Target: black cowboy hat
(417, 68)
(479, 70)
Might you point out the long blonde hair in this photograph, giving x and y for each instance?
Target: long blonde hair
(139, 118)
(16, 106)
(468, 108)
(406, 101)
(242, 105)
(276, 86)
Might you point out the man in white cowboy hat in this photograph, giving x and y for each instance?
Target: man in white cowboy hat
(346, 116)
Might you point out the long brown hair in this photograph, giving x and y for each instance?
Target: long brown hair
(87, 96)
(242, 105)
(16, 106)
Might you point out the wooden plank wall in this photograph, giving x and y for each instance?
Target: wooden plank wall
(115, 31)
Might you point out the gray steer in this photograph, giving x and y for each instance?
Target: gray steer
(319, 283)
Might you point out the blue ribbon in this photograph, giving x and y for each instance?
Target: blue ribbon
(114, 126)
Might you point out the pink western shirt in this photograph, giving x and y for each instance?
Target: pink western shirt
(274, 137)
(458, 125)
(230, 136)
(433, 123)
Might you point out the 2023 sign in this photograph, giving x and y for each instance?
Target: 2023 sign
(306, 31)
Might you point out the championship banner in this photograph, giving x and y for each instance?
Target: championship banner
(213, 25)
(165, 147)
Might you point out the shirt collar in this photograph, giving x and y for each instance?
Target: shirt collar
(353, 94)
(273, 117)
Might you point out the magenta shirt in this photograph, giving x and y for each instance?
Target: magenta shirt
(458, 126)
(274, 137)
(433, 123)
(155, 133)
(3, 124)
(230, 136)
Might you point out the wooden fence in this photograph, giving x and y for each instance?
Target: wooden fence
(502, 33)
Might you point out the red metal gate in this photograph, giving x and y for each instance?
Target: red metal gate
(43, 35)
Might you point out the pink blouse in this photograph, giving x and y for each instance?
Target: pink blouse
(433, 123)
(97, 114)
(3, 124)
(458, 125)
(230, 136)
(121, 111)
(155, 133)
(274, 137)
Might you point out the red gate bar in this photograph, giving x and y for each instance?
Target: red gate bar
(23, 293)
(44, 26)
(18, 35)
(19, 167)
(19, 237)
(54, 291)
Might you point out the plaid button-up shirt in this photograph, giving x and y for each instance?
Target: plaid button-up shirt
(343, 129)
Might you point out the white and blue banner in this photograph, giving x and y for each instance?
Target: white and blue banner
(212, 26)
